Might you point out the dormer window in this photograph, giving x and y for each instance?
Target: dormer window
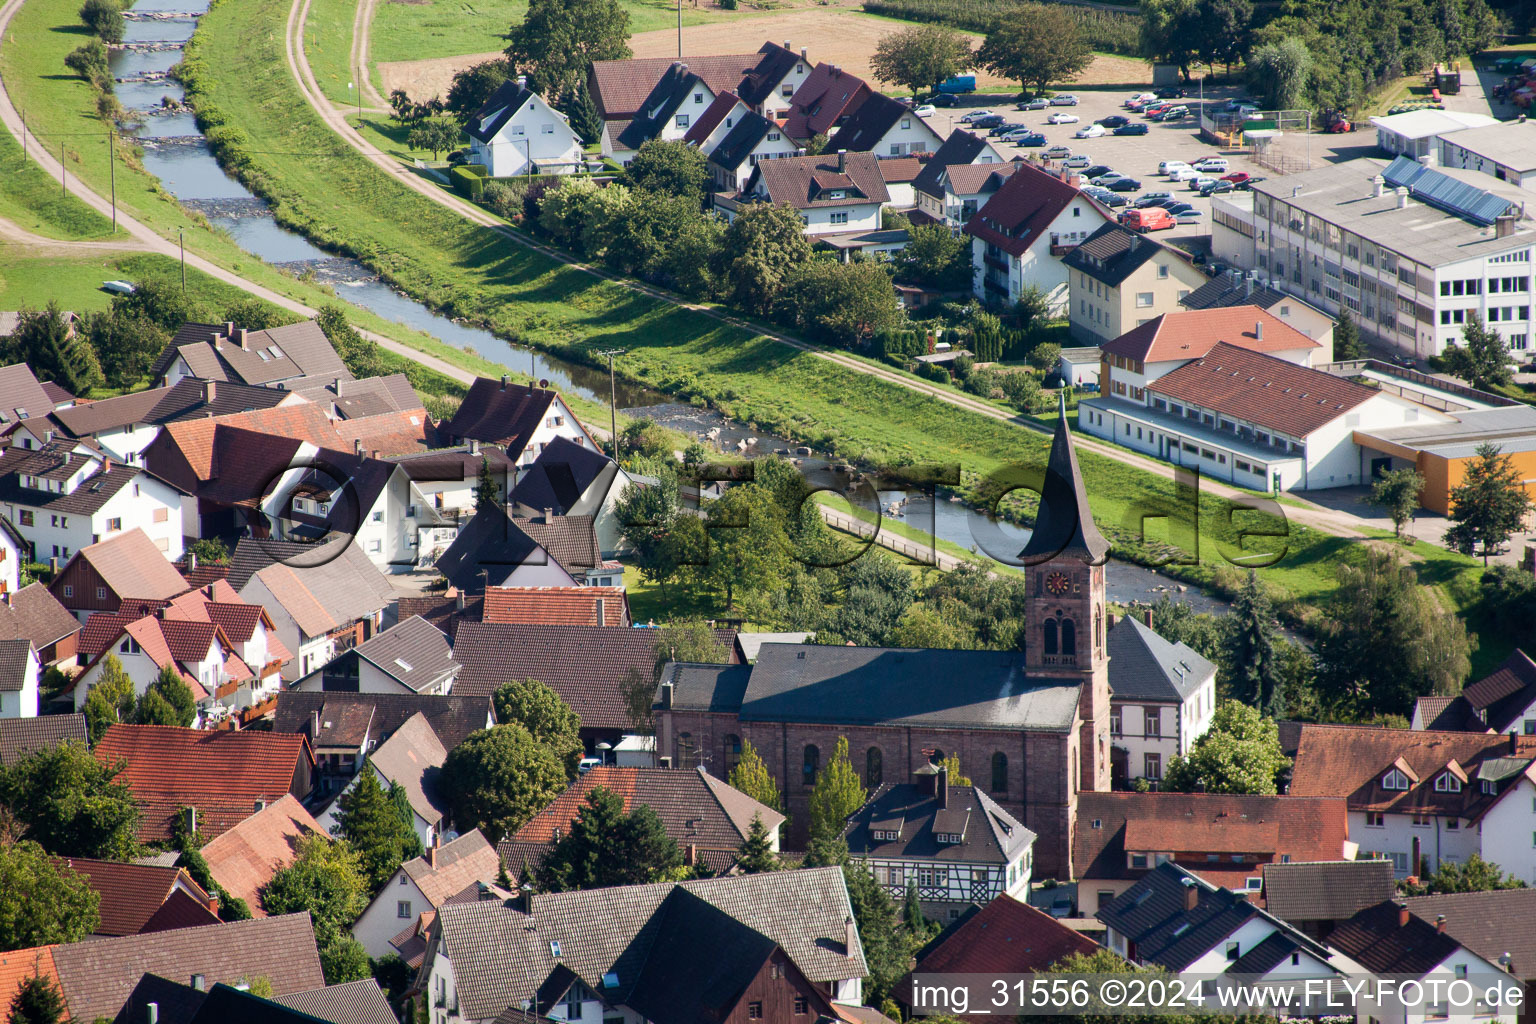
(1490, 788)
(1447, 783)
(1394, 779)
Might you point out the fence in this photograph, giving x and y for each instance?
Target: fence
(928, 554)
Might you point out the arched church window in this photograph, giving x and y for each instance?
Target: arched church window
(874, 767)
(999, 772)
(1050, 636)
(1068, 637)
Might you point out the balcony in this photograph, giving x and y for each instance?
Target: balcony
(996, 261)
(1000, 287)
(1059, 660)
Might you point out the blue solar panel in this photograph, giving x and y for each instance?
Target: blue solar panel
(1445, 192)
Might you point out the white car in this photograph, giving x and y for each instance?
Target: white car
(1211, 165)
(1090, 131)
(1078, 161)
(926, 110)
(1066, 99)
(1169, 166)
(1182, 173)
(1188, 217)
(1063, 119)
(1141, 97)
(971, 115)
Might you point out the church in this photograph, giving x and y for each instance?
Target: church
(1031, 727)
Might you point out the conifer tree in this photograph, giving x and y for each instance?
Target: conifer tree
(37, 1001)
(370, 822)
(1251, 648)
(756, 852)
(487, 494)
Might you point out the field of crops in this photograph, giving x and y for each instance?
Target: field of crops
(1106, 31)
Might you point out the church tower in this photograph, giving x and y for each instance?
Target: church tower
(1066, 618)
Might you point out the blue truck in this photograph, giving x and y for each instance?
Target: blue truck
(958, 84)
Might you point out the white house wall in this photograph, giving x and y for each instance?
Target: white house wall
(1508, 832)
(536, 130)
(382, 920)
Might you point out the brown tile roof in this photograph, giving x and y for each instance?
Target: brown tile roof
(556, 606)
(1004, 937)
(223, 774)
(723, 103)
(1264, 390)
(446, 870)
(253, 357)
(1351, 761)
(453, 717)
(973, 179)
(1374, 939)
(355, 398)
(1490, 924)
(98, 976)
(1020, 212)
(500, 413)
(443, 611)
(186, 399)
(131, 893)
(1194, 824)
(1326, 890)
(401, 432)
(351, 1002)
(619, 87)
(246, 856)
(180, 910)
(411, 759)
(59, 461)
(1193, 333)
(805, 182)
(194, 439)
(18, 965)
(21, 736)
(131, 566)
(33, 613)
(901, 170)
(827, 95)
(570, 540)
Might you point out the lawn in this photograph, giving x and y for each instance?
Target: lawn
(32, 200)
(74, 281)
(328, 44)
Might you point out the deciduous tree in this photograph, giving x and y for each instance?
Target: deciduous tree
(1482, 358)
(369, 821)
(42, 901)
(1278, 72)
(498, 778)
(545, 714)
(474, 85)
(840, 302)
(71, 804)
(435, 134)
(837, 793)
(558, 40)
(1489, 504)
(763, 245)
(607, 847)
(1239, 754)
(1397, 491)
(747, 547)
(668, 167)
(326, 879)
(919, 57)
(935, 257)
(1475, 875)
(1036, 45)
(751, 776)
(105, 18)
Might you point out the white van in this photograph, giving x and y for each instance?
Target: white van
(1169, 166)
(1212, 165)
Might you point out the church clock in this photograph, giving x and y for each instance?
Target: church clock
(1058, 583)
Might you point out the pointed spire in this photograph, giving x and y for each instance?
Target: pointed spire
(1064, 527)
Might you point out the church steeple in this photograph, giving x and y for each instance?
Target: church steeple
(1064, 527)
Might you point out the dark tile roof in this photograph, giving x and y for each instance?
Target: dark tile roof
(448, 872)
(1113, 253)
(1020, 212)
(351, 1002)
(1326, 890)
(809, 182)
(674, 87)
(827, 95)
(986, 689)
(21, 396)
(1377, 939)
(34, 614)
(989, 834)
(620, 87)
(706, 960)
(495, 112)
(98, 976)
(1222, 291)
(775, 62)
(457, 463)
(229, 1005)
(1064, 527)
(707, 122)
(262, 357)
(1144, 666)
(1193, 333)
(962, 147)
(559, 477)
(414, 652)
(186, 399)
(443, 610)
(1274, 949)
(698, 687)
(868, 124)
(570, 540)
(1006, 936)
(1500, 698)
(56, 392)
(14, 665)
(739, 143)
(175, 1003)
(500, 413)
(359, 399)
(1490, 924)
(59, 461)
(453, 717)
(132, 893)
(487, 550)
(22, 736)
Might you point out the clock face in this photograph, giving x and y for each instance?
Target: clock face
(1057, 583)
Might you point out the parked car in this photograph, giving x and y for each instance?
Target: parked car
(1188, 216)
(1033, 140)
(1091, 131)
(1038, 103)
(1200, 181)
(1211, 165)
(1004, 128)
(1172, 93)
(1249, 182)
(1125, 185)
(1061, 906)
(1147, 197)
(1146, 220)
(1176, 114)
(1183, 173)
(1065, 99)
(1089, 173)
(926, 110)
(1077, 161)
(958, 84)
(1141, 97)
(1113, 121)
(1113, 200)
(1144, 203)
(1061, 117)
(1175, 208)
(1107, 179)
(987, 121)
(1217, 187)
(945, 100)
(1169, 166)
(1058, 153)
(1157, 108)
(1131, 129)
(970, 116)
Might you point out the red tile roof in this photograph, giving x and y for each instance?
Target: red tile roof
(827, 95)
(901, 169)
(556, 606)
(245, 857)
(1020, 212)
(619, 87)
(223, 774)
(18, 965)
(1264, 390)
(131, 893)
(195, 438)
(1191, 334)
(1004, 937)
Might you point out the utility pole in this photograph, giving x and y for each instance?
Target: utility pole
(679, 29)
(613, 401)
(112, 163)
(63, 192)
(182, 238)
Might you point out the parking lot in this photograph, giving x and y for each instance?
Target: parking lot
(1135, 155)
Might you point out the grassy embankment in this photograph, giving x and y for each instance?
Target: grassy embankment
(35, 202)
(322, 186)
(74, 280)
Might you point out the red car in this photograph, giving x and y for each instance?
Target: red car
(1340, 126)
(1158, 109)
(1236, 177)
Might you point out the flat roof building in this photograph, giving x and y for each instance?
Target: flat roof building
(1506, 151)
(1415, 132)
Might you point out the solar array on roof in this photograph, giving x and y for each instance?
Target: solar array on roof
(1440, 190)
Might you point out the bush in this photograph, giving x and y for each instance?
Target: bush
(466, 182)
(105, 18)
(505, 199)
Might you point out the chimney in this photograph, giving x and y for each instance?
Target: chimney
(458, 602)
(602, 619)
(1147, 617)
(106, 465)
(850, 936)
(209, 589)
(787, 46)
(191, 819)
(213, 905)
(1110, 618)
(152, 1013)
(1514, 744)
(432, 857)
(691, 854)
(53, 565)
(549, 515)
(1258, 330)
(474, 447)
(375, 453)
(47, 437)
(666, 696)
(314, 726)
(1402, 914)
(191, 561)
(805, 54)
(1191, 894)
(1379, 185)
(524, 899)
(210, 390)
(229, 328)
(6, 597)
(842, 161)
(1415, 866)
(1240, 897)
(357, 447)
(1428, 159)
(1504, 225)
(522, 81)
(199, 983)
(1402, 197)
(505, 380)
(941, 786)
(1440, 923)
(243, 337)
(1247, 285)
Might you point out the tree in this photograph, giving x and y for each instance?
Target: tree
(371, 824)
(498, 778)
(935, 257)
(887, 945)
(255, 314)
(841, 302)
(1476, 875)
(607, 847)
(155, 300)
(105, 18)
(153, 709)
(1250, 648)
(110, 700)
(1482, 359)
(558, 41)
(487, 491)
(89, 61)
(38, 1001)
(210, 551)
(1346, 338)
(584, 118)
(693, 640)
(756, 852)
(1278, 71)
(546, 716)
(72, 804)
(1385, 640)
(1036, 45)
(126, 346)
(751, 776)
(921, 56)
(763, 245)
(1397, 491)
(361, 356)
(1045, 356)
(400, 103)
(1169, 34)
(171, 689)
(669, 168)
(664, 238)
(747, 547)
(42, 902)
(837, 793)
(44, 340)
(1489, 504)
(436, 134)
(473, 86)
(1224, 27)
(326, 879)
(1240, 753)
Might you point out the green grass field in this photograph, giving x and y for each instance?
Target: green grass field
(32, 200)
(75, 281)
(328, 44)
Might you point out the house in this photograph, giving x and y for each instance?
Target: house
(769, 86)
(352, 1002)
(1494, 925)
(1390, 938)
(709, 128)
(140, 898)
(667, 113)
(1035, 721)
(834, 193)
(564, 606)
(1237, 288)
(1020, 233)
(570, 479)
(32, 613)
(947, 197)
(22, 736)
(521, 420)
(1079, 367)
(707, 818)
(1119, 279)
(1176, 920)
(411, 759)
(1002, 936)
(446, 478)
(517, 132)
(826, 96)
(886, 128)
(1316, 896)
(620, 88)
(422, 885)
(1418, 133)
(1503, 701)
(224, 776)
(243, 859)
(1423, 798)
(100, 577)
(663, 952)
(899, 173)
(67, 495)
(344, 728)
(20, 673)
(322, 599)
(225, 352)
(1227, 838)
(753, 139)
(1162, 699)
(1502, 150)
(952, 844)
(21, 396)
(412, 657)
(499, 549)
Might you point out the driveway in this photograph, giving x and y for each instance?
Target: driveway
(1426, 527)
